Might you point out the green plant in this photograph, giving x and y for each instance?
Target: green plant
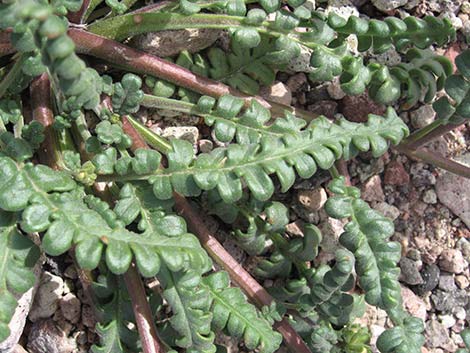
(84, 136)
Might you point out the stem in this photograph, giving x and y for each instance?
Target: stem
(133, 128)
(428, 134)
(77, 17)
(12, 75)
(138, 61)
(437, 160)
(41, 104)
(238, 274)
(142, 312)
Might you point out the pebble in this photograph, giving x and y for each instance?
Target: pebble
(452, 191)
(388, 5)
(452, 260)
(169, 43)
(205, 146)
(395, 174)
(334, 89)
(372, 189)
(460, 313)
(70, 307)
(357, 108)
(278, 92)
(437, 335)
(430, 197)
(46, 302)
(422, 116)
(448, 301)
(430, 275)
(447, 282)
(462, 281)
(326, 108)
(188, 133)
(410, 272)
(414, 304)
(46, 337)
(387, 210)
(295, 82)
(447, 320)
(313, 200)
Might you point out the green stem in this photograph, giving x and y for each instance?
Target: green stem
(156, 102)
(156, 141)
(12, 75)
(82, 128)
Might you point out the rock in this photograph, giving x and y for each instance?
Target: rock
(465, 8)
(375, 332)
(447, 320)
(334, 89)
(326, 108)
(395, 174)
(169, 43)
(430, 275)
(423, 116)
(331, 229)
(462, 281)
(47, 298)
(421, 177)
(452, 191)
(19, 349)
(437, 336)
(430, 197)
(277, 92)
(460, 313)
(295, 82)
(313, 200)
(451, 260)
(387, 210)
(205, 146)
(372, 189)
(71, 272)
(70, 307)
(413, 304)
(388, 5)
(357, 108)
(88, 316)
(410, 272)
(301, 63)
(343, 8)
(188, 133)
(46, 337)
(448, 301)
(447, 282)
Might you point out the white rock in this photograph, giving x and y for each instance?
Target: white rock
(188, 133)
(453, 191)
(343, 8)
(302, 62)
(430, 197)
(47, 298)
(447, 320)
(277, 92)
(388, 5)
(312, 199)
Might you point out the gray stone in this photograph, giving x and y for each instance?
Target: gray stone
(46, 337)
(388, 5)
(422, 117)
(410, 272)
(452, 191)
(447, 282)
(430, 197)
(372, 189)
(334, 90)
(447, 301)
(430, 275)
(387, 210)
(437, 336)
(70, 307)
(47, 298)
(413, 304)
(169, 43)
(460, 313)
(205, 146)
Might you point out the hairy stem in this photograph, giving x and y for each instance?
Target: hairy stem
(439, 161)
(238, 274)
(41, 104)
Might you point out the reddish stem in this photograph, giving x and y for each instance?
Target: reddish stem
(77, 17)
(238, 274)
(41, 104)
(142, 312)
